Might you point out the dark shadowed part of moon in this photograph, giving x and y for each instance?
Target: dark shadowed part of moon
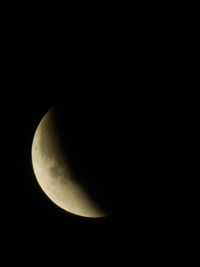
(73, 150)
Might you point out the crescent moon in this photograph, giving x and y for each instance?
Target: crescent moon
(55, 175)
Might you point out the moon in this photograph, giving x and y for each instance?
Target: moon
(58, 173)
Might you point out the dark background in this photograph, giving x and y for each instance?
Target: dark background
(127, 88)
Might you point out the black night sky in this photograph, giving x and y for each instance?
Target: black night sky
(123, 100)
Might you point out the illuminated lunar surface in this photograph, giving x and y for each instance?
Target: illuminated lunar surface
(54, 174)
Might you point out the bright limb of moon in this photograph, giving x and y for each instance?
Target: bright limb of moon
(54, 175)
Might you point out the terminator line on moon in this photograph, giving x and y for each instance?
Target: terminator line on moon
(54, 174)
